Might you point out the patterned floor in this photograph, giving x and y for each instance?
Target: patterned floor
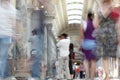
(12, 78)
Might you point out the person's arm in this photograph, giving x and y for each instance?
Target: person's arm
(58, 44)
(118, 29)
(96, 20)
(96, 11)
(31, 39)
(81, 33)
(81, 36)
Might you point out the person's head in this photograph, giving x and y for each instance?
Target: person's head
(90, 15)
(64, 36)
(34, 32)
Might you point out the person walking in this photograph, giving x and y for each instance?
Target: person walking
(71, 49)
(107, 24)
(35, 55)
(88, 47)
(63, 46)
(81, 70)
(7, 34)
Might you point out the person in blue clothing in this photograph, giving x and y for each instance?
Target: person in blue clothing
(8, 20)
(35, 55)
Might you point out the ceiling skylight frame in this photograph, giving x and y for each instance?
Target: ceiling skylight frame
(74, 10)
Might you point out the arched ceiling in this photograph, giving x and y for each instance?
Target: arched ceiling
(57, 8)
(60, 22)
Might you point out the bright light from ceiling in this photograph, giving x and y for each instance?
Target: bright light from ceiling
(74, 6)
(74, 10)
(74, 17)
(74, 21)
(72, 1)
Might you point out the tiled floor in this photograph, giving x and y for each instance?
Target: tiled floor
(86, 79)
(12, 78)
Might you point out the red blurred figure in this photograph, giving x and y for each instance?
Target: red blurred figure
(114, 15)
(73, 55)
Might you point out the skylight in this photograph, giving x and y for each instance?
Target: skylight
(74, 10)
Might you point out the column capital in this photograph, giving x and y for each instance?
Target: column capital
(49, 18)
(49, 26)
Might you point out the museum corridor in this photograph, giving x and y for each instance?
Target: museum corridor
(34, 29)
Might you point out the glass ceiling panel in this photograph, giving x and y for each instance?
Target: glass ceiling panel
(74, 10)
(74, 17)
(74, 6)
(71, 1)
(74, 21)
(70, 12)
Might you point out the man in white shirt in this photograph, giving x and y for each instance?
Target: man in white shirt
(63, 46)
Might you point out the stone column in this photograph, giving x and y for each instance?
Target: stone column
(29, 29)
(21, 42)
(44, 56)
(51, 45)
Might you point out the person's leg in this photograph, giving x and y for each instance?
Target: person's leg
(81, 74)
(73, 74)
(36, 69)
(35, 72)
(4, 46)
(7, 69)
(92, 69)
(53, 70)
(67, 72)
(61, 68)
(106, 68)
(58, 68)
(1, 57)
(114, 66)
(86, 65)
(71, 68)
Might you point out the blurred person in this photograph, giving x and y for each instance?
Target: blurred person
(100, 73)
(107, 24)
(88, 47)
(44, 68)
(63, 46)
(73, 55)
(57, 68)
(74, 66)
(54, 69)
(77, 71)
(7, 34)
(81, 70)
(71, 49)
(35, 55)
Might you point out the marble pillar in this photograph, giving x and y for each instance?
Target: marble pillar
(51, 46)
(20, 44)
